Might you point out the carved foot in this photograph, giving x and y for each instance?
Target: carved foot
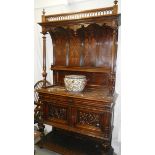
(41, 127)
(109, 151)
(106, 148)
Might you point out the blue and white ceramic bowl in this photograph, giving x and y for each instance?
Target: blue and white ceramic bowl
(75, 83)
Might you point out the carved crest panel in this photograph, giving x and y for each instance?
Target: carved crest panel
(74, 49)
(98, 45)
(59, 37)
(104, 47)
(89, 55)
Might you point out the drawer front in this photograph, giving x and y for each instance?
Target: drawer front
(55, 99)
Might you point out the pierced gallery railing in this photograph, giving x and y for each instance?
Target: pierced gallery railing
(81, 15)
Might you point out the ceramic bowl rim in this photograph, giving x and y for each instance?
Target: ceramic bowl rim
(75, 76)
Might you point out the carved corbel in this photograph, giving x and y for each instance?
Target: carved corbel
(74, 28)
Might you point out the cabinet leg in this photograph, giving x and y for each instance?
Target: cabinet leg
(110, 151)
(41, 127)
(54, 129)
(106, 148)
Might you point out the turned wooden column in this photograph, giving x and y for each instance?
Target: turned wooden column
(44, 74)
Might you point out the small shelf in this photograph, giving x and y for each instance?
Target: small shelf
(56, 141)
(82, 69)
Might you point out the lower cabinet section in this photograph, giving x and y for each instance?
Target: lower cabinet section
(86, 117)
(69, 143)
(82, 118)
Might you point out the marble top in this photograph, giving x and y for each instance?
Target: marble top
(89, 93)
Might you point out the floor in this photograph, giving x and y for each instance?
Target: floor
(48, 152)
(44, 151)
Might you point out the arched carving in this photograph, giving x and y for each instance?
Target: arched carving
(59, 37)
(88, 46)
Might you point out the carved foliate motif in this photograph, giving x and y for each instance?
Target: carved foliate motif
(112, 83)
(57, 112)
(38, 112)
(89, 118)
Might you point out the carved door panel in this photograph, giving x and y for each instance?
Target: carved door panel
(89, 119)
(57, 113)
(96, 121)
(57, 109)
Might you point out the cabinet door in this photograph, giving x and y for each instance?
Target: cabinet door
(57, 113)
(56, 109)
(88, 119)
(92, 116)
(94, 121)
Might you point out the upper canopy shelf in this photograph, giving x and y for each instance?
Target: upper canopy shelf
(87, 16)
(82, 69)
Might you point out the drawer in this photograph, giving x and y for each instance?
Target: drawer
(56, 99)
(90, 104)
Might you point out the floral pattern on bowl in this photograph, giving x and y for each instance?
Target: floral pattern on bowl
(75, 83)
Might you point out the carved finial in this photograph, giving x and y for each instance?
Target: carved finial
(43, 12)
(115, 7)
(115, 2)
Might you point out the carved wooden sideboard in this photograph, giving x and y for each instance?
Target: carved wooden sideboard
(84, 43)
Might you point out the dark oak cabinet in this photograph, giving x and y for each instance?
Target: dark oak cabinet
(84, 43)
